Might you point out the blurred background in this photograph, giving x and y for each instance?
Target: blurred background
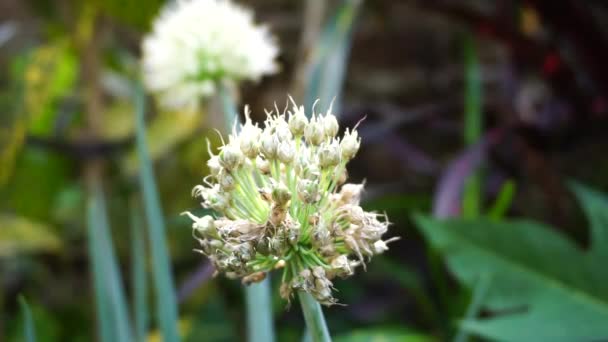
(476, 110)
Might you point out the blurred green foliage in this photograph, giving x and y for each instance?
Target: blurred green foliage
(545, 286)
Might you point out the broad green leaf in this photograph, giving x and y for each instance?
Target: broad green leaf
(166, 303)
(595, 205)
(21, 235)
(29, 333)
(544, 284)
(384, 335)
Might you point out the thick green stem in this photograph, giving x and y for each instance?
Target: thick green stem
(315, 321)
(259, 304)
(259, 312)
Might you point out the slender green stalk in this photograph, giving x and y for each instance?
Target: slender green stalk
(29, 333)
(231, 114)
(138, 267)
(112, 306)
(166, 304)
(328, 67)
(472, 125)
(257, 296)
(313, 315)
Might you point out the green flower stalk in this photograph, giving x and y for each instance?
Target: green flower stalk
(283, 203)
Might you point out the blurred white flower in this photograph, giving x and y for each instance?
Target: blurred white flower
(195, 44)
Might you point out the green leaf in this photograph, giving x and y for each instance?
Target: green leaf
(472, 125)
(29, 333)
(21, 235)
(328, 65)
(595, 205)
(503, 201)
(384, 335)
(166, 304)
(545, 285)
(140, 283)
(112, 311)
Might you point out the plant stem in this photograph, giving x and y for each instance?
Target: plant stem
(257, 296)
(313, 315)
(259, 312)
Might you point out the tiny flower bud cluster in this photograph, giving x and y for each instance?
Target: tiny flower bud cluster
(282, 204)
(197, 43)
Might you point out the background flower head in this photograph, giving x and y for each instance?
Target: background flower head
(195, 44)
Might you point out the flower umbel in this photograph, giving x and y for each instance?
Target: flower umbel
(197, 43)
(283, 203)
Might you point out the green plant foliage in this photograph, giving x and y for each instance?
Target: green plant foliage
(503, 201)
(139, 274)
(315, 320)
(166, 304)
(164, 133)
(543, 287)
(21, 235)
(29, 332)
(472, 124)
(112, 313)
(595, 205)
(51, 171)
(383, 335)
(328, 66)
(50, 73)
(212, 323)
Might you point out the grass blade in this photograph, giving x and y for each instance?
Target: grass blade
(29, 332)
(503, 201)
(257, 296)
(472, 125)
(166, 304)
(138, 267)
(313, 315)
(112, 308)
(328, 67)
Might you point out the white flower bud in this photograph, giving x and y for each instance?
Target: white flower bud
(263, 165)
(226, 180)
(268, 146)
(380, 247)
(314, 132)
(250, 140)
(231, 157)
(351, 193)
(329, 155)
(214, 165)
(298, 121)
(308, 191)
(350, 144)
(280, 194)
(330, 125)
(282, 132)
(204, 225)
(286, 152)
